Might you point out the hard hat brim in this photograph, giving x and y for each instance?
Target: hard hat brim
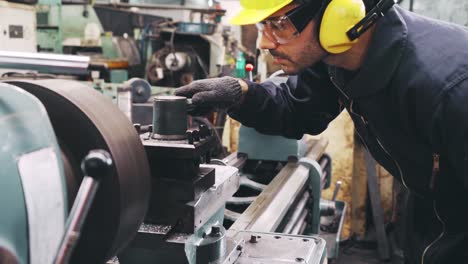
(251, 16)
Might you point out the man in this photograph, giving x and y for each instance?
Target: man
(404, 83)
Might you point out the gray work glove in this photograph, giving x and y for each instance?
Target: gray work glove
(213, 93)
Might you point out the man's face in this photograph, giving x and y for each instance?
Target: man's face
(298, 53)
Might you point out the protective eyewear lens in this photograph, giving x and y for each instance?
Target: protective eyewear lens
(285, 28)
(280, 31)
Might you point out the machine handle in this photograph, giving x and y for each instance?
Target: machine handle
(249, 68)
(337, 189)
(95, 166)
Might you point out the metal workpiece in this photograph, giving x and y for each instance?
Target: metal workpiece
(79, 112)
(45, 62)
(280, 248)
(169, 117)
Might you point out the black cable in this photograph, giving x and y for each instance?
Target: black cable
(206, 122)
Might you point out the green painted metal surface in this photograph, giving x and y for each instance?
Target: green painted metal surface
(59, 24)
(25, 127)
(49, 26)
(108, 49)
(264, 147)
(118, 76)
(75, 18)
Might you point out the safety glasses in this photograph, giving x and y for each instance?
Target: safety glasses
(289, 26)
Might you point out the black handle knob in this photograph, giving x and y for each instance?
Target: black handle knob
(97, 164)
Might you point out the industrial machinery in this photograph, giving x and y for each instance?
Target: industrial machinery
(48, 127)
(160, 196)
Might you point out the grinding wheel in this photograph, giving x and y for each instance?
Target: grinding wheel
(83, 119)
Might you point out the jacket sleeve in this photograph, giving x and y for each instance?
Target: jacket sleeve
(305, 104)
(451, 129)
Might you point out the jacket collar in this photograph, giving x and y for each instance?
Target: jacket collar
(385, 52)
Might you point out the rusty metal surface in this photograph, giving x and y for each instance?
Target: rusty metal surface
(83, 119)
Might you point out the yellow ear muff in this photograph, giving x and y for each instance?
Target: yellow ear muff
(338, 18)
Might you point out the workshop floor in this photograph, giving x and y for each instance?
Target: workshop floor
(355, 254)
(365, 252)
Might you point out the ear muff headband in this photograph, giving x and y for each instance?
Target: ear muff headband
(344, 21)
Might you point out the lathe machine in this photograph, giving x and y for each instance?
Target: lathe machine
(80, 183)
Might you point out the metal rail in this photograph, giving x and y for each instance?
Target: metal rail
(268, 211)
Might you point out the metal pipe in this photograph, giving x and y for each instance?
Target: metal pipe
(323, 179)
(300, 223)
(241, 200)
(297, 213)
(303, 227)
(231, 215)
(44, 62)
(246, 182)
(323, 163)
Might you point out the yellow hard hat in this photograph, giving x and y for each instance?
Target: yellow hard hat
(255, 11)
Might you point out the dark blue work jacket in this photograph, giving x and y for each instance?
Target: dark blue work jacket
(409, 104)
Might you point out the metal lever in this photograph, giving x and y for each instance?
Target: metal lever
(337, 189)
(95, 166)
(249, 68)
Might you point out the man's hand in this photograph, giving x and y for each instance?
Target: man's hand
(213, 93)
